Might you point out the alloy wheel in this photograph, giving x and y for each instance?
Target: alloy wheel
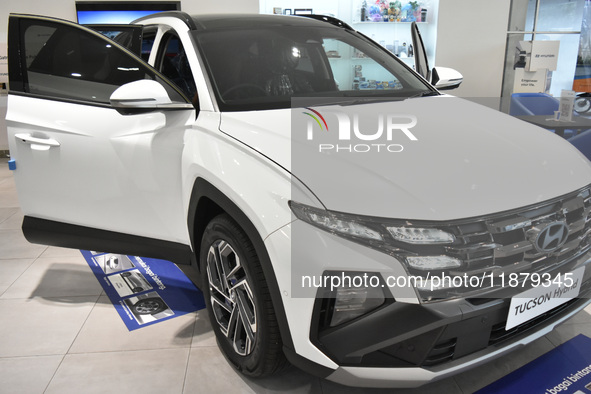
(231, 297)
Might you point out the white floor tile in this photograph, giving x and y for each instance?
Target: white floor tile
(14, 222)
(13, 245)
(292, 381)
(583, 316)
(565, 332)
(8, 198)
(6, 213)
(41, 326)
(27, 375)
(209, 372)
(54, 251)
(10, 270)
(202, 333)
(7, 184)
(142, 372)
(55, 277)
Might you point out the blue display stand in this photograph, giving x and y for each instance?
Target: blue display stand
(565, 370)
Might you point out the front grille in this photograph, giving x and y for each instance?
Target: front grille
(505, 243)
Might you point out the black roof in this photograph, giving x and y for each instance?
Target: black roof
(229, 21)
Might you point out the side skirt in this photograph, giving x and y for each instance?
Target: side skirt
(49, 232)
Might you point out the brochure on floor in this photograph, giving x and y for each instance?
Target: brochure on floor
(144, 291)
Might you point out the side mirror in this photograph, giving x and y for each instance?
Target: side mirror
(444, 78)
(143, 96)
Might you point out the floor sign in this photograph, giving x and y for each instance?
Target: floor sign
(144, 291)
(565, 370)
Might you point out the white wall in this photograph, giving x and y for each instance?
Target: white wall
(471, 37)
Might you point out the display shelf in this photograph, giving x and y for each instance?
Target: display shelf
(385, 23)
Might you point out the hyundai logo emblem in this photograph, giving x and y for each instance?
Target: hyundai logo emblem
(552, 237)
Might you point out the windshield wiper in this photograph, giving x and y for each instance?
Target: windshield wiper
(348, 100)
(425, 93)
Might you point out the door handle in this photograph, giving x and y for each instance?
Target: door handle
(36, 142)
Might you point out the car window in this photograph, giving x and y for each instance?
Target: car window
(265, 67)
(148, 38)
(67, 61)
(354, 70)
(173, 64)
(128, 36)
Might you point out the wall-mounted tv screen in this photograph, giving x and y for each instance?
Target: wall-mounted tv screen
(117, 12)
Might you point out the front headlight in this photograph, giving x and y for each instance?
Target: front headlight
(432, 263)
(421, 248)
(332, 223)
(421, 236)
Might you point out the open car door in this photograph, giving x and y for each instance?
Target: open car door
(97, 135)
(421, 61)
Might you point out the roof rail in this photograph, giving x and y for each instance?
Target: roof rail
(183, 16)
(330, 19)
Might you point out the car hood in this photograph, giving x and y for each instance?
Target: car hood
(467, 160)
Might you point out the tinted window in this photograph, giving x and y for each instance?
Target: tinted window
(129, 36)
(65, 61)
(264, 67)
(148, 38)
(354, 70)
(175, 66)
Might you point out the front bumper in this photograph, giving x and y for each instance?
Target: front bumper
(474, 340)
(403, 343)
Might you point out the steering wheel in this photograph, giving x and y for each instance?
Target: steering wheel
(249, 89)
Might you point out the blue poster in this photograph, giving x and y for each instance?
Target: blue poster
(565, 370)
(144, 291)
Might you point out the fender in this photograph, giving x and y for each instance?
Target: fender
(207, 202)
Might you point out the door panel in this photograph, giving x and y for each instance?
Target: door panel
(109, 171)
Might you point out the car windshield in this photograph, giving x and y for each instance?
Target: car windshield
(263, 67)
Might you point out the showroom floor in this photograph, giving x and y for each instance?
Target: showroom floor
(60, 334)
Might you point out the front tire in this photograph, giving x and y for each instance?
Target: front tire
(238, 299)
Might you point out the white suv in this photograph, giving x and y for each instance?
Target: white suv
(181, 149)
